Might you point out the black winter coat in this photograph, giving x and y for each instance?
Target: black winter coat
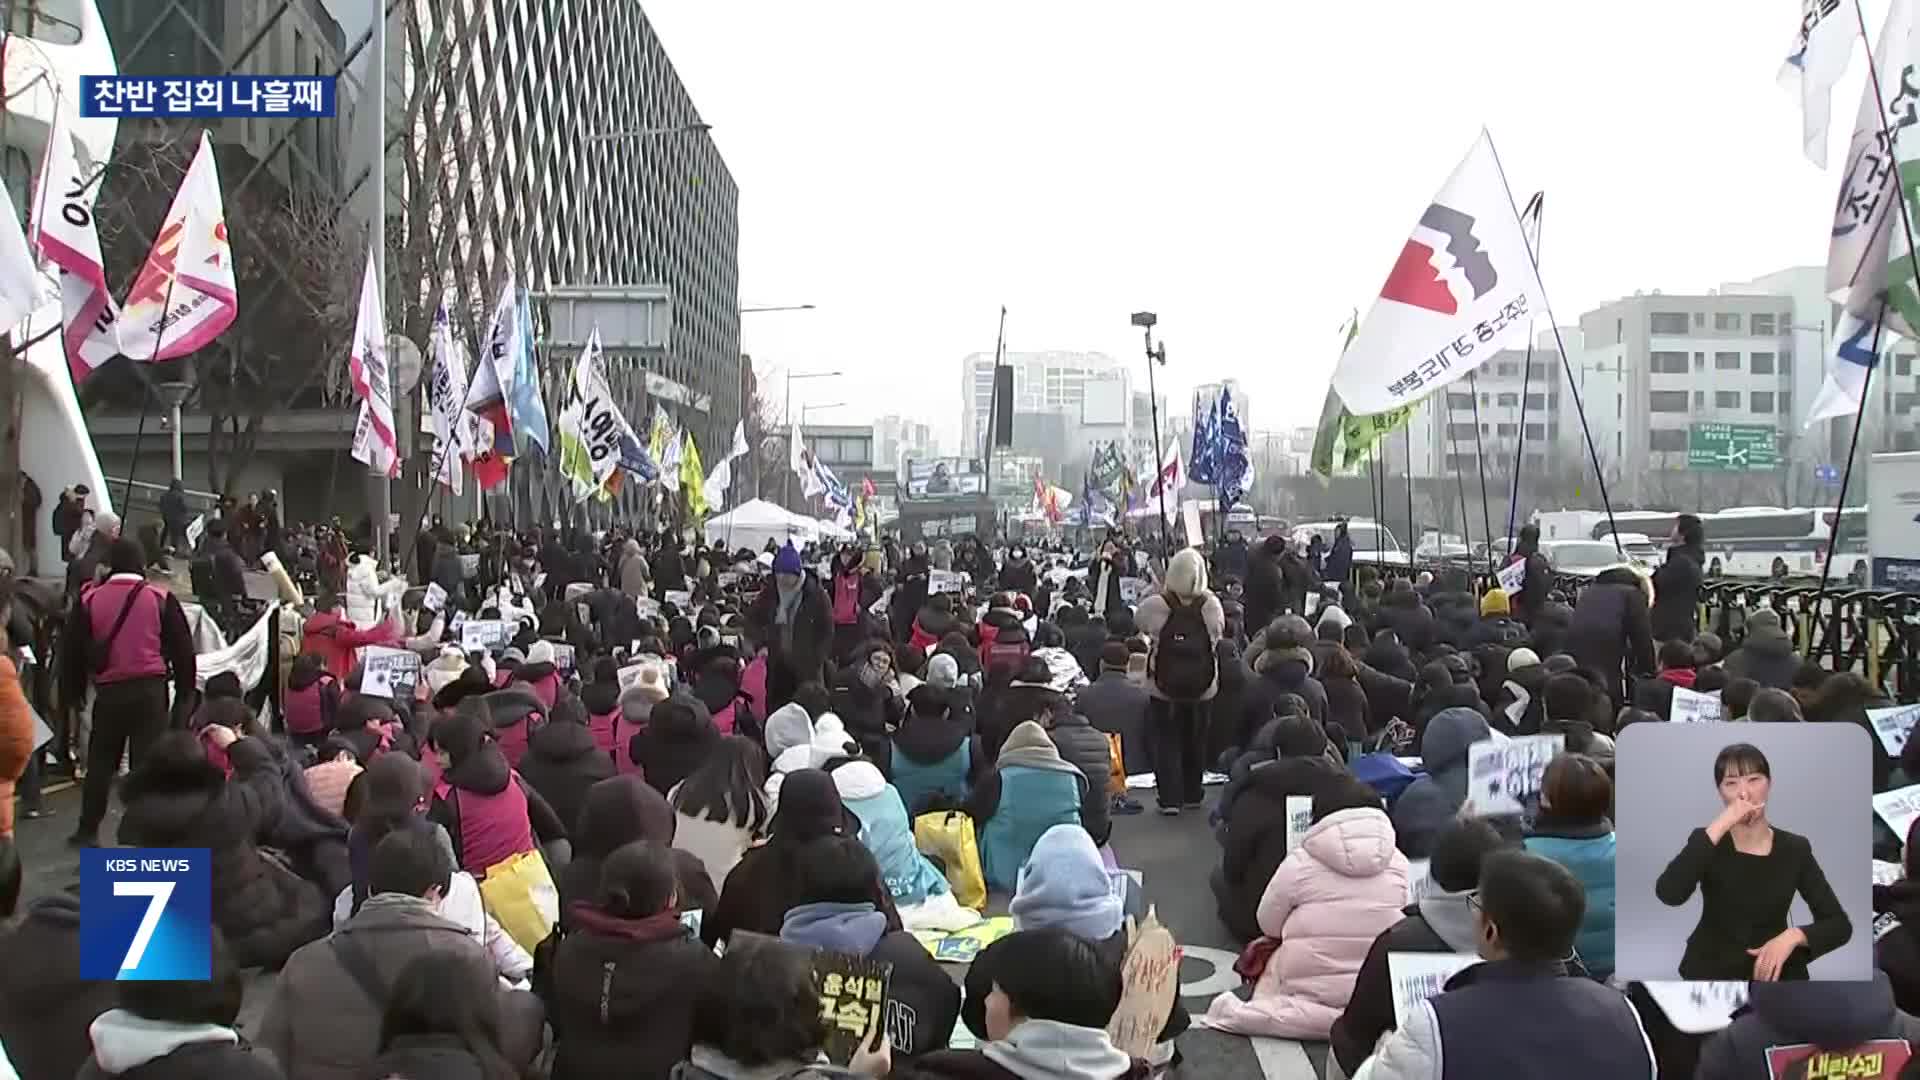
(1114, 705)
(1676, 593)
(670, 749)
(620, 994)
(265, 910)
(802, 654)
(428, 1057)
(1253, 839)
(1896, 952)
(1766, 657)
(1280, 677)
(1610, 632)
(45, 1006)
(1085, 748)
(1836, 1015)
(197, 1061)
(1369, 1011)
(1262, 595)
(561, 764)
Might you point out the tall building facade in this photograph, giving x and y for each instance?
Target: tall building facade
(895, 437)
(1043, 382)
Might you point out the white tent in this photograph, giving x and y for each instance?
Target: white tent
(753, 523)
(829, 531)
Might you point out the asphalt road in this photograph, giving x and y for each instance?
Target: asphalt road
(1173, 856)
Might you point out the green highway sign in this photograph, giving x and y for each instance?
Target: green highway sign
(1732, 447)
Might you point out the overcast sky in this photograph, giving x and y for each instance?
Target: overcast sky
(1247, 170)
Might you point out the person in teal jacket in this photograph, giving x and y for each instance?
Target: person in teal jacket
(887, 831)
(935, 753)
(1029, 790)
(1574, 830)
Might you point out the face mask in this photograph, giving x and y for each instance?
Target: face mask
(873, 676)
(788, 584)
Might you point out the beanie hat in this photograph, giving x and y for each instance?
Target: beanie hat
(540, 652)
(1333, 616)
(1522, 658)
(1113, 656)
(786, 560)
(943, 671)
(1065, 884)
(1494, 604)
(1763, 619)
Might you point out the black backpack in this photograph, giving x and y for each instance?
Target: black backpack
(1183, 662)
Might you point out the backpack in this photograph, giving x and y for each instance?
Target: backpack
(1184, 666)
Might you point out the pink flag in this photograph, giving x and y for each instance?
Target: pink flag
(373, 438)
(65, 236)
(185, 294)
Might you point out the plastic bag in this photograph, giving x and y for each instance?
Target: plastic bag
(947, 835)
(521, 897)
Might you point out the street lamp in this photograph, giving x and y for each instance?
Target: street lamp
(787, 489)
(1156, 355)
(776, 307)
(739, 389)
(695, 127)
(805, 409)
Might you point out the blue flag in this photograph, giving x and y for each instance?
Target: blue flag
(1203, 464)
(1234, 468)
(529, 409)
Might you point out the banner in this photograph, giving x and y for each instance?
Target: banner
(185, 294)
(692, 481)
(373, 436)
(65, 236)
(493, 371)
(592, 429)
(1463, 284)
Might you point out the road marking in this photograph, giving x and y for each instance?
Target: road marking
(1222, 981)
(1283, 1059)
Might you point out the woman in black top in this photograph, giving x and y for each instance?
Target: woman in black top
(1748, 873)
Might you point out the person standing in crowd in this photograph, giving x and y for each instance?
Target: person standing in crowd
(1296, 577)
(1184, 621)
(910, 592)
(795, 621)
(68, 515)
(96, 537)
(173, 515)
(1339, 560)
(1676, 584)
(1262, 593)
(1610, 633)
(125, 639)
(1538, 575)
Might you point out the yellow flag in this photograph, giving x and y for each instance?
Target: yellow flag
(692, 480)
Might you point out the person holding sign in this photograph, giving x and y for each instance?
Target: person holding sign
(1849, 1030)
(1527, 912)
(1747, 873)
(774, 983)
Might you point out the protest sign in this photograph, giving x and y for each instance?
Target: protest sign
(630, 675)
(469, 566)
(1892, 726)
(389, 673)
(1132, 589)
(1898, 808)
(1504, 777)
(563, 658)
(679, 598)
(1513, 577)
(1879, 1059)
(459, 619)
(727, 578)
(1886, 873)
(853, 1000)
(195, 530)
(436, 597)
(1417, 976)
(1419, 881)
(1149, 980)
(961, 946)
(945, 581)
(1299, 820)
(1694, 707)
(1698, 1008)
(486, 634)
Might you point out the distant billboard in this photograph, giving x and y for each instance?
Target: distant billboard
(944, 478)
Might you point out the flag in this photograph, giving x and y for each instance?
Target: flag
(185, 295)
(1234, 468)
(19, 277)
(721, 478)
(493, 372)
(1867, 257)
(1204, 461)
(692, 478)
(592, 430)
(1821, 50)
(446, 395)
(800, 460)
(1464, 283)
(1170, 479)
(65, 236)
(528, 410)
(373, 437)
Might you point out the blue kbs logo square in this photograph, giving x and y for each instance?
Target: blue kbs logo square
(146, 913)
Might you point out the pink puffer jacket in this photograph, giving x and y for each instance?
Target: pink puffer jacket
(1331, 897)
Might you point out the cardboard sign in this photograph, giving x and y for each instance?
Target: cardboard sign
(1893, 726)
(459, 619)
(1419, 881)
(853, 1000)
(679, 598)
(563, 658)
(1149, 980)
(487, 634)
(1132, 589)
(1504, 777)
(1881, 1059)
(1898, 808)
(1698, 1008)
(1417, 976)
(195, 530)
(436, 597)
(1694, 707)
(1190, 517)
(946, 581)
(469, 566)
(389, 673)
(1886, 873)
(1513, 577)
(630, 675)
(1299, 820)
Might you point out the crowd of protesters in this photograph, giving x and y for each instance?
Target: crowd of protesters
(523, 866)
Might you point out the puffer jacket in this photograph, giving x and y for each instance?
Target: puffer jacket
(1281, 671)
(1432, 800)
(1086, 749)
(620, 993)
(1587, 849)
(1029, 790)
(1835, 1015)
(514, 713)
(675, 744)
(1253, 836)
(887, 831)
(265, 910)
(1344, 887)
(1767, 657)
(562, 762)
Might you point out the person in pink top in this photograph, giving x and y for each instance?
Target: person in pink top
(329, 634)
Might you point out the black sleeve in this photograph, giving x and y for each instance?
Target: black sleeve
(1237, 845)
(75, 647)
(1830, 927)
(1639, 636)
(176, 644)
(1369, 1010)
(547, 826)
(446, 814)
(255, 793)
(984, 800)
(1682, 876)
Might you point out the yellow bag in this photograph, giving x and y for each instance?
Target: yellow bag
(520, 895)
(1116, 767)
(947, 835)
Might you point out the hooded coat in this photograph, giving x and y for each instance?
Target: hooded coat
(615, 813)
(1433, 799)
(1833, 1015)
(1253, 838)
(562, 762)
(922, 1000)
(935, 757)
(45, 1006)
(1766, 656)
(1676, 589)
(1029, 790)
(676, 742)
(887, 831)
(134, 1047)
(490, 813)
(620, 994)
(1326, 904)
(1281, 669)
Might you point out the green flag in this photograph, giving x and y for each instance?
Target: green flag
(1342, 438)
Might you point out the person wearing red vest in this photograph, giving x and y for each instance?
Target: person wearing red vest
(329, 634)
(490, 813)
(126, 639)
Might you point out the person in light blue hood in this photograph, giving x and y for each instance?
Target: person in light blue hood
(1432, 800)
(836, 913)
(888, 832)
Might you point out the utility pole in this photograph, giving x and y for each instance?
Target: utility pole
(382, 501)
(1156, 354)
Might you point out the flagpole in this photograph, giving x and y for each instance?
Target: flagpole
(1480, 461)
(1539, 206)
(1406, 434)
(1566, 366)
(146, 387)
(1373, 486)
(1460, 484)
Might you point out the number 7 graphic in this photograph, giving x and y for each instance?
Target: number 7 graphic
(157, 894)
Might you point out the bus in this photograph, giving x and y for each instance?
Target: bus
(1765, 542)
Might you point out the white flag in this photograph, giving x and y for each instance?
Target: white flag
(1463, 284)
(800, 460)
(493, 372)
(65, 235)
(185, 294)
(592, 430)
(448, 395)
(1868, 233)
(373, 436)
(739, 446)
(1170, 480)
(721, 478)
(671, 456)
(19, 276)
(1821, 50)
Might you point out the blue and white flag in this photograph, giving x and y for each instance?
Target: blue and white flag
(529, 411)
(1822, 47)
(1203, 464)
(1234, 469)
